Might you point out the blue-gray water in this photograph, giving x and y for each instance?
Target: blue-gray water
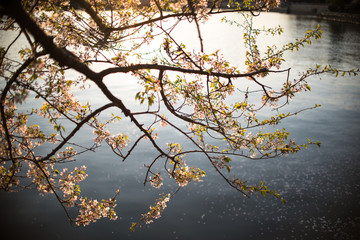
(321, 185)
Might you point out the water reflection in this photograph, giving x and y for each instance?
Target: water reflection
(321, 185)
(342, 40)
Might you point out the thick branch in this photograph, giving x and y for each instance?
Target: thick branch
(137, 67)
(84, 4)
(61, 55)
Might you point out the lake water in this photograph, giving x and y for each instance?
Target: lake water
(321, 185)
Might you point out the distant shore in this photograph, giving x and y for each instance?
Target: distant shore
(302, 8)
(321, 11)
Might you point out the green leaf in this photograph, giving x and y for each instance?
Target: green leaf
(151, 100)
(226, 159)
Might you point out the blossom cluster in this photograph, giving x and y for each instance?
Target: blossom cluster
(118, 141)
(38, 173)
(67, 154)
(222, 162)
(93, 210)
(45, 178)
(101, 133)
(156, 181)
(7, 177)
(163, 121)
(67, 184)
(184, 174)
(154, 213)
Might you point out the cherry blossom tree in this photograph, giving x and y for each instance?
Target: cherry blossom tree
(191, 92)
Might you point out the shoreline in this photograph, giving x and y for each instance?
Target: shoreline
(339, 17)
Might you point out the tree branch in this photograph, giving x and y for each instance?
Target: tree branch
(76, 129)
(137, 67)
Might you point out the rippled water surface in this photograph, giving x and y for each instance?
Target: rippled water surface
(321, 185)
